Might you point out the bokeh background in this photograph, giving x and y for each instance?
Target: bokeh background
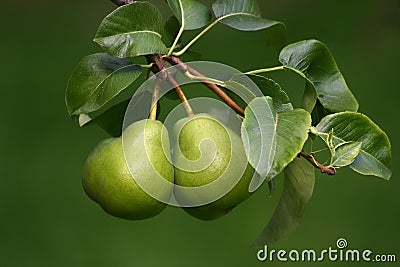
(47, 220)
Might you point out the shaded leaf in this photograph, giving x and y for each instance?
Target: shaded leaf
(318, 113)
(345, 154)
(375, 155)
(268, 87)
(171, 28)
(297, 190)
(172, 95)
(309, 98)
(245, 15)
(96, 80)
(190, 13)
(132, 30)
(111, 120)
(314, 62)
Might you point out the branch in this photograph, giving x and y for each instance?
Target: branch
(173, 60)
(158, 68)
(310, 157)
(122, 2)
(184, 68)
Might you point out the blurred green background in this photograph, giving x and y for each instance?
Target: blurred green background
(47, 220)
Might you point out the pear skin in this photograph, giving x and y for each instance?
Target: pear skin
(218, 154)
(108, 180)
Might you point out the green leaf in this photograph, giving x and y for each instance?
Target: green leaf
(345, 154)
(244, 15)
(190, 14)
(291, 134)
(132, 30)
(314, 62)
(264, 129)
(259, 136)
(309, 97)
(270, 88)
(291, 126)
(375, 155)
(96, 80)
(297, 191)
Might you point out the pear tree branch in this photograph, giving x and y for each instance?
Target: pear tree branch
(310, 158)
(176, 61)
(157, 63)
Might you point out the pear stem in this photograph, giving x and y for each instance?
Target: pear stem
(158, 68)
(181, 95)
(153, 112)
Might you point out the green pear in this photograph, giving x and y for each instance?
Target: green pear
(108, 179)
(210, 159)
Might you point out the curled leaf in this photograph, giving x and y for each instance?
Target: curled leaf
(345, 154)
(374, 157)
(315, 63)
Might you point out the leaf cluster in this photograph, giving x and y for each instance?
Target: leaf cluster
(274, 132)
